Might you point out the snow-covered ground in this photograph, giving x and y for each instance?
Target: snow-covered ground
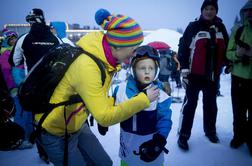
(201, 152)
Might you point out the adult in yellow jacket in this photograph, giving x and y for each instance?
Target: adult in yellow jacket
(123, 35)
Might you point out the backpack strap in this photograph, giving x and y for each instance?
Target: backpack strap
(100, 65)
(238, 33)
(237, 38)
(72, 99)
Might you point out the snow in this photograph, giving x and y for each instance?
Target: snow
(202, 151)
(168, 36)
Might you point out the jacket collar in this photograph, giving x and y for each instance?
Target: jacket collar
(92, 43)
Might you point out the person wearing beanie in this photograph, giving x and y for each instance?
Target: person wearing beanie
(202, 56)
(143, 136)
(30, 48)
(239, 52)
(213, 3)
(117, 43)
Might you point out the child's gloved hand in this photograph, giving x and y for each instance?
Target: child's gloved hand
(151, 149)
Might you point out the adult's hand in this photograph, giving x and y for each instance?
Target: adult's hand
(152, 93)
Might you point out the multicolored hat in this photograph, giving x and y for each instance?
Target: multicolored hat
(122, 31)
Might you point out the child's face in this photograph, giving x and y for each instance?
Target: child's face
(145, 71)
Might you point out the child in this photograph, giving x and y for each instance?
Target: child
(143, 136)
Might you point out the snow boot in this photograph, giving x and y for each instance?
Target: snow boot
(213, 138)
(236, 143)
(183, 144)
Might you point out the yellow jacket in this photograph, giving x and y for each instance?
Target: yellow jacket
(84, 77)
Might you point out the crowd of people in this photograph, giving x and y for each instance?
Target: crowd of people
(141, 103)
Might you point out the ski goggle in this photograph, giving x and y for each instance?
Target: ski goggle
(166, 51)
(146, 51)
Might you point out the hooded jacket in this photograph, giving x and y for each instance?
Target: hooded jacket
(238, 68)
(84, 77)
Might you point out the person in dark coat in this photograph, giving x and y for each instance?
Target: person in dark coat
(202, 56)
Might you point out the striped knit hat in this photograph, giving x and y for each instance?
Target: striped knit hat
(122, 31)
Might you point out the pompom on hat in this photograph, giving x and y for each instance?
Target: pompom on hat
(210, 2)
(122, 31)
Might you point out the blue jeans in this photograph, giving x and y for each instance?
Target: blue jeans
(83, 148)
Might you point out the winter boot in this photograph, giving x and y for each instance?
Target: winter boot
(25, 145)
(213, 138)
(236, 143)
(183, 144)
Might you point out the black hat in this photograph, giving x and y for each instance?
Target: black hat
(35, 16)
(210, 2)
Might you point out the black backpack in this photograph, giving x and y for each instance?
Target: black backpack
(38, 86)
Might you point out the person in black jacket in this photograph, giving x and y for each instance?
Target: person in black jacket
(31, 46)
(202, 56)
(29, 49)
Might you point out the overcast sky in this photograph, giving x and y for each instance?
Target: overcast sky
(151, 14)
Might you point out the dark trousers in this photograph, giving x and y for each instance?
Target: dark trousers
(209, 90)
(241, 91)
(176, 76)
